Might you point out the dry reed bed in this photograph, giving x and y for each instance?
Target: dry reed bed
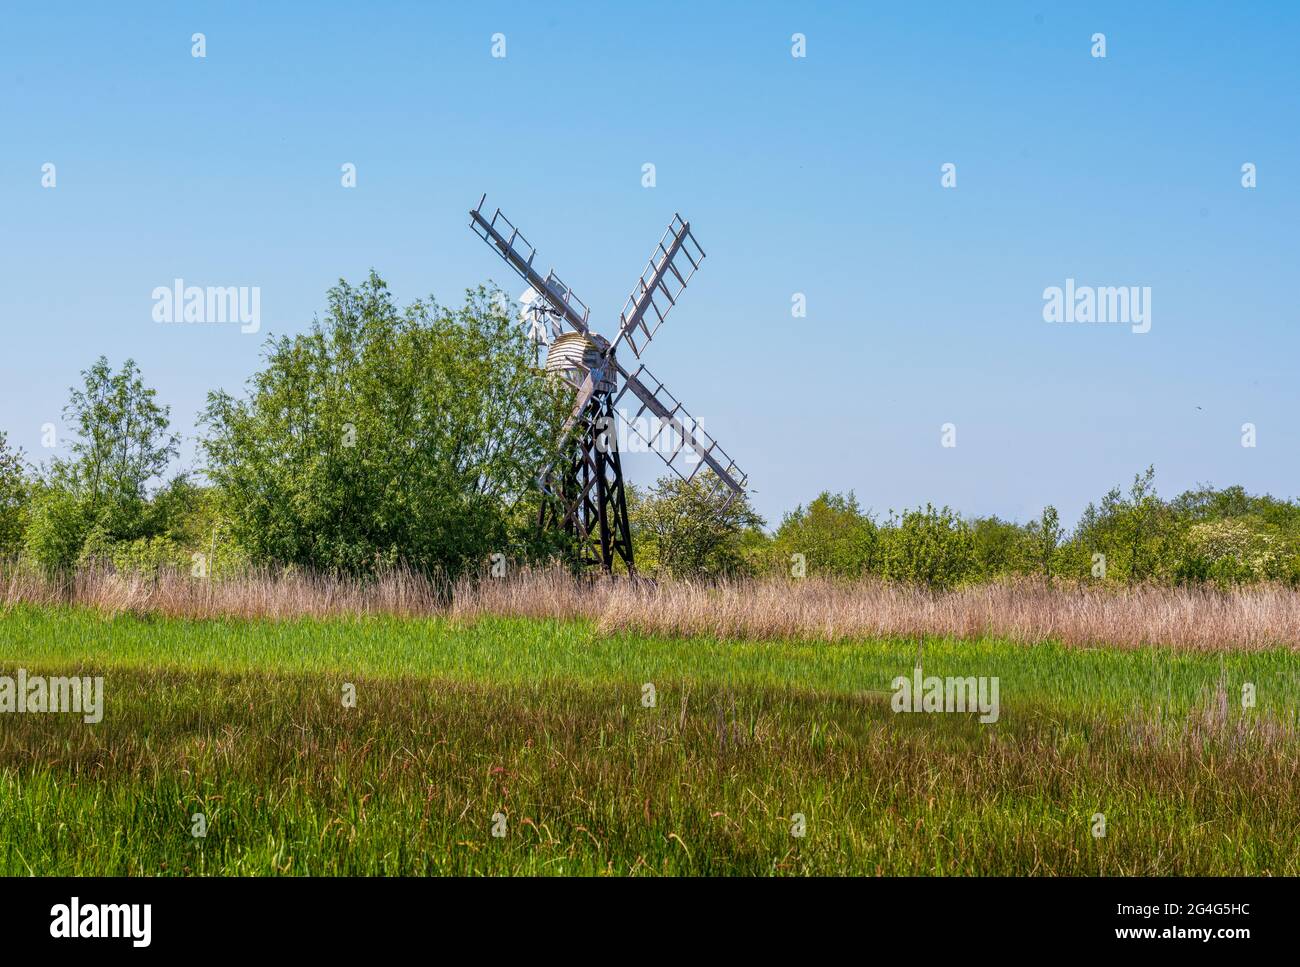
(1195, 619)
(251, 595)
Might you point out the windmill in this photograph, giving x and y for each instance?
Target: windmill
(584, 492)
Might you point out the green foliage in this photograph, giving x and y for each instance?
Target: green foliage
(1136, 531)
(930, 547)
(179, 529)
(680, 530)
(59, 523)
(834, 535)
(144, 555)
(757, 556)
(1044, 537)
(97, 505)
(121, 444)
(1235, 550)
(999, 548)
(98, 497)
(382, 436)
(415, 436)
(13, 498)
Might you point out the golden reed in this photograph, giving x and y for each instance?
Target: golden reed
(1027, 611)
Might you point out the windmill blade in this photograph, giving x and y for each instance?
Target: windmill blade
(666, 275)
(519, 254)
(677, 430)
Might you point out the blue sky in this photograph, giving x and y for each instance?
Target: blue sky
(818, 175)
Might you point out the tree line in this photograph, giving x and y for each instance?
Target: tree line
(413, 436)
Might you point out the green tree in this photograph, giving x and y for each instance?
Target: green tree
(686, 529)
(1045, 536)
(98, 495)
(122, 441)
(58, 526)
(834, 535)
(930, 547)
(1231, 551)
(13, 498)
(1137, 532)
(382, 435)
(999, 547)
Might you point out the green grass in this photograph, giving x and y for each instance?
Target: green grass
(542, 722)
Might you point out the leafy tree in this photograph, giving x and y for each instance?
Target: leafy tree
(999, 547)
(833, 534)
(13, 498)
(680, 530)
(1231, 550)
(1137, 532)
(755, 547)
(122, 442)
(98, 495)
(381, 436)
(1045, 534)
(57, 528)
(181, 528)
(930, 547)
(1206, 503)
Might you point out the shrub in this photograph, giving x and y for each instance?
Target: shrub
(930, 547)
(1231, 551)
(834, 535)
(999, 548)
(682, 528)
(13, 499)
(57, 528)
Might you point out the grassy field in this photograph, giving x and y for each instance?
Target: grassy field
(540, 723)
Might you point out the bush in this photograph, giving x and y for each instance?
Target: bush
(13, 499)
(834, 536)
(930, 547)
(144, 555)
(679, 530)
(1232, 551)
(57, 528)
(999, 548)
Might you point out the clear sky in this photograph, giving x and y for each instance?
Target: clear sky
(818, 175)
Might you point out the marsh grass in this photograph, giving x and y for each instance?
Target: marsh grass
(592, 783)
(258, 593)
(1256, 617)
(540, 720)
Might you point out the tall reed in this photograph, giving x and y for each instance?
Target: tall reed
(1193, 618)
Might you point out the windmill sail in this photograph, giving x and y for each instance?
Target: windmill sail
(519, 254)
(665, 277)
(676, 431)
